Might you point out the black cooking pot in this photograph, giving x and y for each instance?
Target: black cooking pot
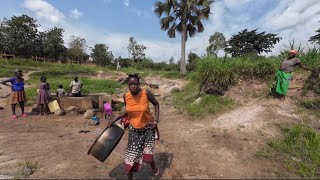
(106, 142)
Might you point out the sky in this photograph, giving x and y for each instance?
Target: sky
(112, 22)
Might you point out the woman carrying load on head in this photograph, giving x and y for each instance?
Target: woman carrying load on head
(142, 128)
(284, 75)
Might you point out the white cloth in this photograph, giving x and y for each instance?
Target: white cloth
(76, 86)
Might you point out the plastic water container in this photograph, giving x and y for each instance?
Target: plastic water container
(54, 105)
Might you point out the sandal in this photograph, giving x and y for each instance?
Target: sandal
(14, 116)
(24, 115)
(156, 173)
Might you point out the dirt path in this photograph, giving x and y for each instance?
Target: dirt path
(222, 146)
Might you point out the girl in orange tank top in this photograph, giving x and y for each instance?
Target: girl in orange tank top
(142, 129)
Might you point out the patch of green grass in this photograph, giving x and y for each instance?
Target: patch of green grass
(301, 147)
(264, 153)
(311, 104)
(7, 68)
(209, 104)
(31, 94)
(170, 74)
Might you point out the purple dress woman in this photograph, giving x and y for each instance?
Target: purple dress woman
(43, 96)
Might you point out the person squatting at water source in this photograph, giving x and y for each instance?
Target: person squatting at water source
(143, 128)
(18, 94)
(284, 74)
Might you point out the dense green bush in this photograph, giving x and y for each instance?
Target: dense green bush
(223, 72)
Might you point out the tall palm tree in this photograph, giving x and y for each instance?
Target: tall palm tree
(185, 17)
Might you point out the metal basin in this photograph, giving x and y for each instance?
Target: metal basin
(106, 142)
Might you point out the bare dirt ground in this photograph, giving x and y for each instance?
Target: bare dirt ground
(220, 146)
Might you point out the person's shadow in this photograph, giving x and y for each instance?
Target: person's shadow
(163, 161)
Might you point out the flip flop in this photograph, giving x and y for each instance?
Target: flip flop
(24, 115)
(156, 173)
(14, 116)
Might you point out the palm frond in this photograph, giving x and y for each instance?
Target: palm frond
(165, 22)
(191, 30)
(179, 27)
(172, 31)
(205, 12)
(200, 26)
(159, 8)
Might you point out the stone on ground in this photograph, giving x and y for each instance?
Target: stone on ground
(88, 114)
(59, 112)
(72, 110)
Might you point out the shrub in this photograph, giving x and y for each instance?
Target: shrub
(223, 72)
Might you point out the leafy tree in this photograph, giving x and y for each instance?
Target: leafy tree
(101, 55)
(39, 45)
(2, 37)
(136, 51)
(20, 35)
(193, 59)
(316, 38)
(124, 62)
(53, 44)
(217, 42)
(171, 60)
(185, 17)
(247, 42)
(77, 48)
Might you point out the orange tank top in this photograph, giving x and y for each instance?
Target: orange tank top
(138, 109)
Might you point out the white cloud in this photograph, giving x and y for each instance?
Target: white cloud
(293, 20)
(43, 9)
(235, 3)
(290, 19)
(75, 13)
(126, 3)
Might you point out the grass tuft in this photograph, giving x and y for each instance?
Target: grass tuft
(26, 169)
(301, 147)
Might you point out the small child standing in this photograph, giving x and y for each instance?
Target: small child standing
(60, 91)
(107, 110)
(43, 96)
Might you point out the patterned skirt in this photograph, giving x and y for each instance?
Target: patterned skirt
(140, 148)
(18, 96)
